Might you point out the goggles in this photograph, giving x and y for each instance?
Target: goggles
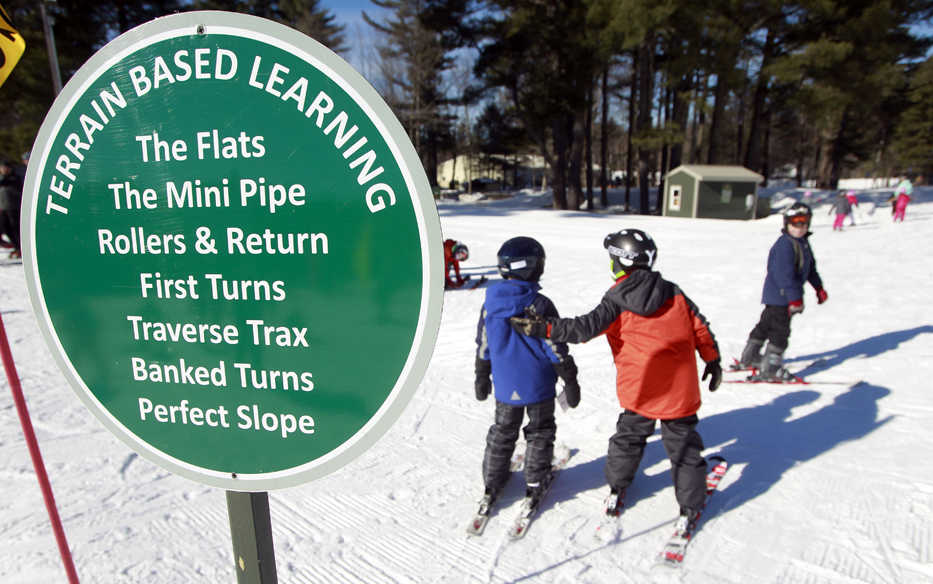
(798, 220)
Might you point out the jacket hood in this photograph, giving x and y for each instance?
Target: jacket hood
(643, 292)
(507, 298)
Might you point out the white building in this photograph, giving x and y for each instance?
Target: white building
(498, 171)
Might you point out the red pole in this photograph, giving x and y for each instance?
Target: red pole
(36, 456)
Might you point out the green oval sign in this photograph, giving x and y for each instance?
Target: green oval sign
(233, 250)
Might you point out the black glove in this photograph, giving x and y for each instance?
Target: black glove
(714, 369)
(482, 385)
(567, 370)
(532, 326)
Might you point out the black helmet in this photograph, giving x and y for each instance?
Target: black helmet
(795, 212)
(521, 258)
(629, 250)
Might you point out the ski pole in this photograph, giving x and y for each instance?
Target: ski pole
(36, 455)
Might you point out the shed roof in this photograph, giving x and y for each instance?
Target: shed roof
(718, 172)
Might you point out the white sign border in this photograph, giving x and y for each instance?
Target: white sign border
(363, 94)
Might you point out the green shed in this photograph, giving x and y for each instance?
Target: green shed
(711, 191)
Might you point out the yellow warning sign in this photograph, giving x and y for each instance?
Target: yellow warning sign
(12, 45)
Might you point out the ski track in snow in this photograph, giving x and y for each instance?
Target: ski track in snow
(827, 485)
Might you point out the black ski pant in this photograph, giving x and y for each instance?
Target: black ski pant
(9, 225)
(773, 326)
(682, 443)
(540, 433)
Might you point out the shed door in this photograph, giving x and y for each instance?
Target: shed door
(673, 200)
(726, 194)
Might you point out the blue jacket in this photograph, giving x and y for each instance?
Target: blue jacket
(522, 367)
(790, 264)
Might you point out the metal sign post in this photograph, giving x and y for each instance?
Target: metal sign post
(251, 532)
(232, 250)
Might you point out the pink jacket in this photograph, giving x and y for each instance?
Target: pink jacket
(902, 200)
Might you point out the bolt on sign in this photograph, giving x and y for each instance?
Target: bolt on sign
(232, 250)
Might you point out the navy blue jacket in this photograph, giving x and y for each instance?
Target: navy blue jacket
(790, 264)
(522, 366)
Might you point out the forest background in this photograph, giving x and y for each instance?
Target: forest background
(814, 90)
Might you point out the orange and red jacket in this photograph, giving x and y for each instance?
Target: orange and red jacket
(451, 262)
(653, 330)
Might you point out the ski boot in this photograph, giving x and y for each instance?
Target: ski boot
(751, 355)
(615, 502)
(772, 367)
(687, 521)
(533, 495)
(489, 498)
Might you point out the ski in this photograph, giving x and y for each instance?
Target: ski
(481, 517)
(516, 464)
(674, 549)
(755, 378)
(469, 283)
(798, 381)
(737, 366)
(529, 507)
(474, 284)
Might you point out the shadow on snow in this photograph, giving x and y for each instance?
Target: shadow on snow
(763, 438)
(870, 347)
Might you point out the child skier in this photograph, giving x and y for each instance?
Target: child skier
(524, 371)
(11, 194)
(842, 207)
(903, 191)
(790, 264)
(653, 329)
(454, 253)
(853, 205)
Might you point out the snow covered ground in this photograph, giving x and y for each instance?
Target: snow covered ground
(831, 482)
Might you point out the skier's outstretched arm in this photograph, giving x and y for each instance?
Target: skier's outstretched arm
(569, 330)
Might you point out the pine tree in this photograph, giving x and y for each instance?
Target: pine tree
(414, 56)
(537, 53)
(846, 70)
(914, 137)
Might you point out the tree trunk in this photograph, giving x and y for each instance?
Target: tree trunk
(720, 95)
(753, 157)
(575, 169)
(664, 117)
(559, 169)
(588, 146)
(604, 141)
(766, 149)
(736, 156)
(832, 154)
(633, 93)
(679, 113)
(453, 170)
(431, 167)
(801, 160)
(646, 91)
